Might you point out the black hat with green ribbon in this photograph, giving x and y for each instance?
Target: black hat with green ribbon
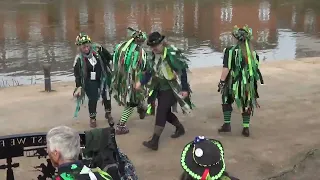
(203, 159)
(155, 39)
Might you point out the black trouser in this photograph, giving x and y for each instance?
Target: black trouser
(93, 91)
(164, 114)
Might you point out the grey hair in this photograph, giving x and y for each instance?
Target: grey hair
(65, 140)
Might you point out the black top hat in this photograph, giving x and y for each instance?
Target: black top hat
(202, 158)
(155, 38)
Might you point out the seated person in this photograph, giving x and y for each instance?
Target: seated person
(203, 159)
(63, 146)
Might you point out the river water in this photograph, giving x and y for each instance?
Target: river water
(34, 32)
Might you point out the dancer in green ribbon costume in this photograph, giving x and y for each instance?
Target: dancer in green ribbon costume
(129, 62)
(93, 77)
(168, 78)
(238, 82)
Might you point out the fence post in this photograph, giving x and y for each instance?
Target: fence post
(47, 77)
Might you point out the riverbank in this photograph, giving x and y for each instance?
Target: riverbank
(286, 125)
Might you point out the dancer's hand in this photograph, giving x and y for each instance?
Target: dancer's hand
(184, 94)
(77, 92)
(221, 86)
(175, 75)
(137, 85)
(257, 104)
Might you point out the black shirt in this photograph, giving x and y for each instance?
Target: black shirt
(226, 57)
(106, 58)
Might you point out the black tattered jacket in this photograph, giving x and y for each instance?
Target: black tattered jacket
(102, 66)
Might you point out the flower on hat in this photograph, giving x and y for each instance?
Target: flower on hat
(198, 139)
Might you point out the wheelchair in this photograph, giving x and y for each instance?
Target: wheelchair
(101, 150)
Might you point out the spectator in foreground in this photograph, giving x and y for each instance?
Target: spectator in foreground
(203, 159)
(63, 146)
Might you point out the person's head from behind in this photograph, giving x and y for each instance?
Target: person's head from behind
(139, 37)
(63, 145)
(203, 159)
(243, 36)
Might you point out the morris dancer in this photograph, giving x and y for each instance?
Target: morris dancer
(92, 76)
(169, 78)
(238, 82)
(129, 61)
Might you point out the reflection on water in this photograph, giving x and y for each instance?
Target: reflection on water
(36, 31)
